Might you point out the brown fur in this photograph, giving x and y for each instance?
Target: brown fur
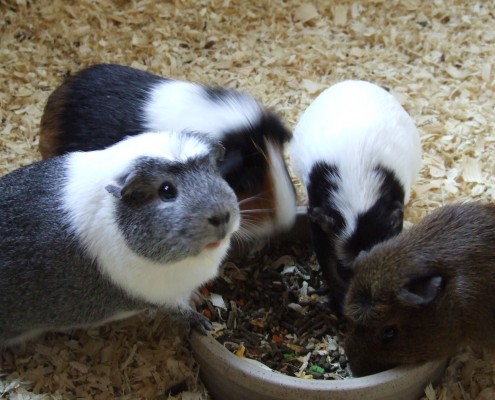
(50, 122)
(256, 210)
(394, 286)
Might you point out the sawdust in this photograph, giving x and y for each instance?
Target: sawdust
(437, 57)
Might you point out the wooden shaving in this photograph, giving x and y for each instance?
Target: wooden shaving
(306, 12)
(437, 57)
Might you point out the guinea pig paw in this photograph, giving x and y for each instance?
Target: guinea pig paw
(199, 323)
(8, 355)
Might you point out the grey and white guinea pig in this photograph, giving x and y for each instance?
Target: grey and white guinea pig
(426, 293)
(100, 105)
(357, 152)
(90, 237)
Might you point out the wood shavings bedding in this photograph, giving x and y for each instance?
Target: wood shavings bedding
(437, 57)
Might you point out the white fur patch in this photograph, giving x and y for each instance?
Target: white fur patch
(179, 106)
(285, 197)
(170, 145)
(91, 212)
(356, 196)
(357, 125)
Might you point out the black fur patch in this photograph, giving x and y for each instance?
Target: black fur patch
(378, 224)
(106, 100)
(245, 165)
(324, 179)
(327, 259)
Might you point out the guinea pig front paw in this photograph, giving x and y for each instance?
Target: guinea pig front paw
(198, 322)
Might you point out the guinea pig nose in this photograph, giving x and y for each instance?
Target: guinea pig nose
(218, 219)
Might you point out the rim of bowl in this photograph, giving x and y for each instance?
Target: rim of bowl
(207, 346)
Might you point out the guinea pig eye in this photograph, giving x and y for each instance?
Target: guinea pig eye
(388, 334)
(167, 191)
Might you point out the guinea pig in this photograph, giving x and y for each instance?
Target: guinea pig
(357, 152)
(100, 105)
(423, 294)
(91, 237)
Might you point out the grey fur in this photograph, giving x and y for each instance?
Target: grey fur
(181, 228)
(47, 279)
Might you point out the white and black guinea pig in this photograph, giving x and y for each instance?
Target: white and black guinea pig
(91, 237)
(357, 152)
(100, 105)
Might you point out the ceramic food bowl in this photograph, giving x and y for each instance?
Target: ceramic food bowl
(228, 377)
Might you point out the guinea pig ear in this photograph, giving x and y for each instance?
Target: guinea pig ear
(397, 215)
(421, 290)
(115, 191)
(318, 215)
(133, 184)
(218, 152)
(232, 161)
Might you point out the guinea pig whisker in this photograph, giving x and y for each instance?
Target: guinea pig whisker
(256, 210)
(260, 150)
(242, 235)
(247, 223)
(259, 196)
(245, 234)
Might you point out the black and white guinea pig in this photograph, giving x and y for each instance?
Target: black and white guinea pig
(100, 105)
(91, 237)
(357, 152)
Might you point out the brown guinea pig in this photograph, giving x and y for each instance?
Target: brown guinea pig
(423, 294)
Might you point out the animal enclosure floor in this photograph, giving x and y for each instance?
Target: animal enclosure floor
(437, 57)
